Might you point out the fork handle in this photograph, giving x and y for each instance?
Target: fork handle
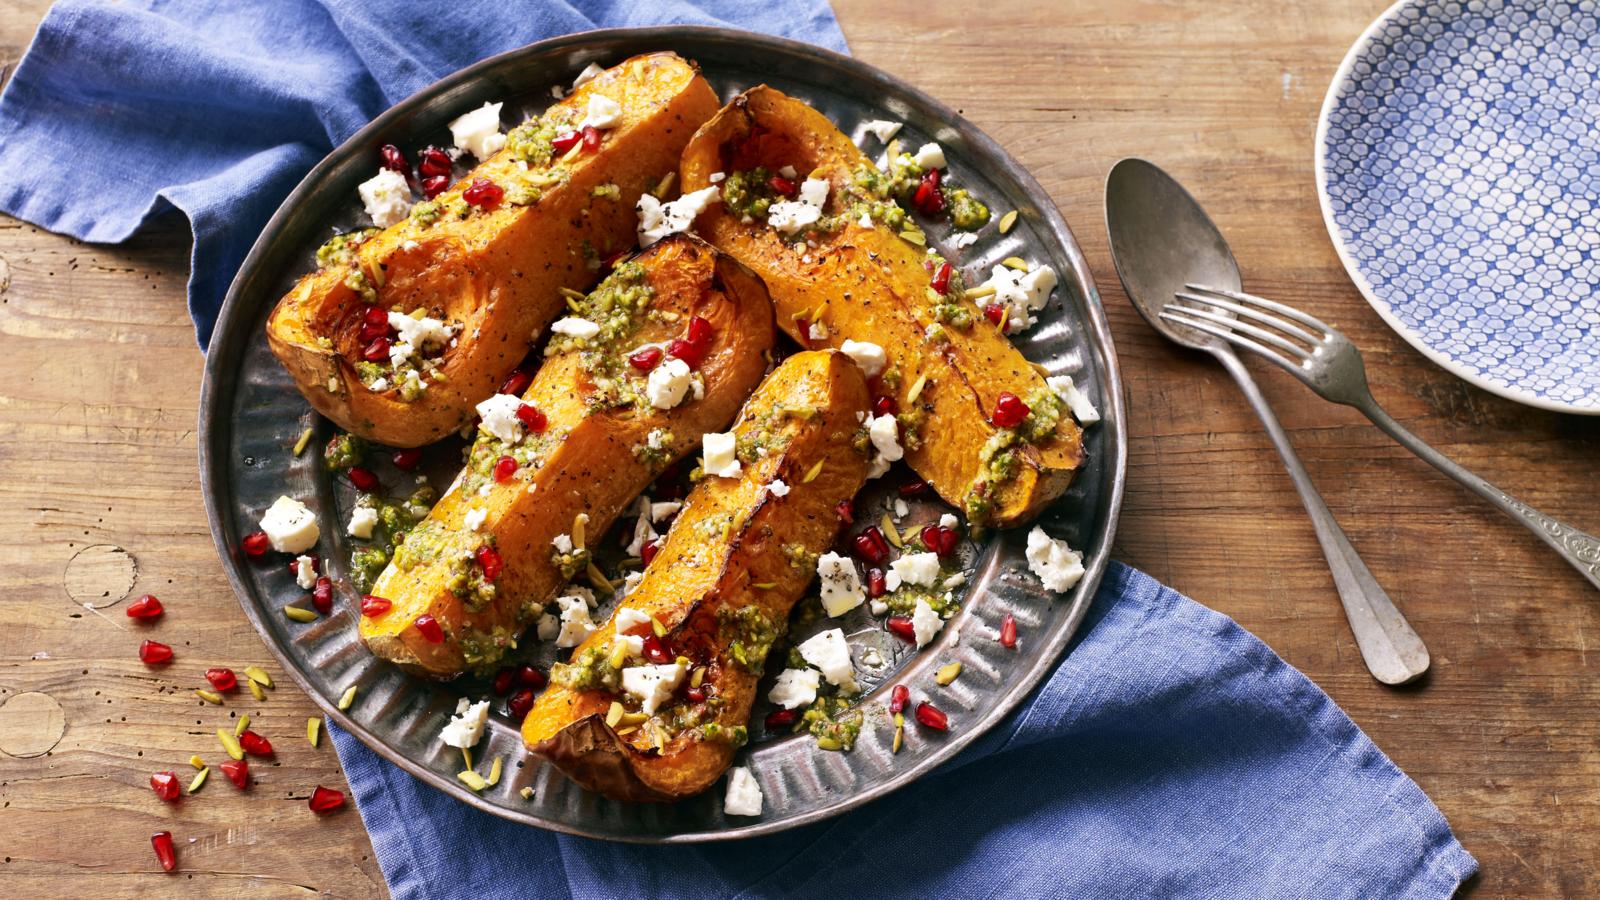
(1393, 651)
(1576, 547)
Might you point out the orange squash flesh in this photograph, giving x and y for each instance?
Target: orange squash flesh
(730, 547)
(496, 274)
(875, 286)
(588, 462)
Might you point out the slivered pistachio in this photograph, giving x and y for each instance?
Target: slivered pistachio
(683, 661)
(979, 292)
(899, 732)
(628, 730)
(527, 793)
(580, 525)
(619, 656)
(230, 743)
(914, 237)
(614, 714)
(891, 532)
(243, 723)
(764, 585)
(348, 697)
(494, 771)
(197, 762)
(828, 743)
(697, 676)
(813, 472)
(657, 627)
(665, 184)
(634, 719)
(1007, 220)
(599, 580)
(1040, 369)
(916, 388)
(300, 615)
(821, 312)
(255, 689)
(300, 445)
(570, 294)
(199, 779)
(1005, 317)
(947, 674)
(210, 697)
(472, 780)
(1015, 262)
(258, 675)
(466, 756)
(314, 730)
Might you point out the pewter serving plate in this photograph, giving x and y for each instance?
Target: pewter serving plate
(251, 415)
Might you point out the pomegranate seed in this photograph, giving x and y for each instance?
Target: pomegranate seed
(781, 718)
(564, 142)
(146, 607)
(517, 382)
(222, 679)
(803, 325)
(898, 698)
(689, 353)
(877, 583)
(483, 193)
(531, 417)
(322, 595)
(393, 159)
(1008, 632)
(238, 772)
(883, 405)
(529, 677)
(372, 606)
(489, 560)
(941, 278)
(994, 312)
(502, 681)
(375, 315)
(377, 351)
(695, 695)
(846, 511)
(370, 332)
(902, 628)
(645, 359)
(162, 842)
(931, 717)
(591, 139)
(326, 799)
(153, 653)
(656, 651)
(1009, 410)
(939, 539)
(871, 545)
(165, 784)
(256, 544)
(434, 186)
(913, 487)
(364, 479)
(520, 704)
(649, 551)
(504, 468)
(429, 628)
(254, 744)
(432, 161)
(929, 198)
(406, 460)
(782, 185)
(700, 332)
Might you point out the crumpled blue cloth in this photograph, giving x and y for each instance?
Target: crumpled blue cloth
(1169, 754)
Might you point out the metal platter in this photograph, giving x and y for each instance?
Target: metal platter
(251, 416)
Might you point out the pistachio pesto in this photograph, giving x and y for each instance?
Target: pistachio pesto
(396, 521)
(999, 460)
(748, 635)
(832, 720)
(620, 306)
(590, 670)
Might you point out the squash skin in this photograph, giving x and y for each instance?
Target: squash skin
(591, 469)
(693, 576)
(875, 284)
(498, 273)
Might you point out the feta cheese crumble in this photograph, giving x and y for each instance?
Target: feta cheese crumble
(870, 357)
(362, 519)
(884, 432)
(882, 129)
(587, 75)
(829, 652)
(817, 332)
(549, 627)
(660, 512)
(499, 415)
(466, 726)
(778, 488)
(789, 216)
(925, 622)
(921, 569)
(930, 156)
(386, 197)
(628, 618)
(572, 326)
(657, 219)
(602, 112)
(305, 572)
(652, 685)
(1022, 293)
(948, 520)
(1058, 566)
(1082, 408)
(562, 543)
(473, 520)
(744, 794)
(795, 688)
(478, 132)
(720, 457)
(421, 333)
(290, 526)
(841, 584)
(576, 625)
(667, 384)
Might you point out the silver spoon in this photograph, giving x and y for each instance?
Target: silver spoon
(1162, 240)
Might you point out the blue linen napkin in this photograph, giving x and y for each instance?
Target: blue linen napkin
(1171, 753)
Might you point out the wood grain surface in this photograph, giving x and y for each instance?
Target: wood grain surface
(100, 376)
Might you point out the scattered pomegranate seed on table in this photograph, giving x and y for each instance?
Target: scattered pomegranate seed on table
(929, 198)
(930, 717)
(238, 772)
(406, 460)
(533, 418)
(781, 718)
(902, 628)
(503, 680)
(433, 162)
(649, 551)
(254, 744)
(504, 468)
(898, 698)
(222, 679)
(871, 545)
(322, 595)
(162, 842)
(256, 544)
(939, 539)
(1008, 632)
(146, 607)
(393, 159)
(877, 583)
(520, 704)
(165, 784)
(325, 799)
(1009, 410)
(364, 479)
(429, 628)
(846, 511)
(153, 653)
(529, 677)
(913, 487)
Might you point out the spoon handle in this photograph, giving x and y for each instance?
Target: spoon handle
(1392, 650)
(1580, 549)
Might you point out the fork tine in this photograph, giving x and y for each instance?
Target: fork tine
(1303, 318)
(1251, 313)
(1246, 327)
(1173, 314)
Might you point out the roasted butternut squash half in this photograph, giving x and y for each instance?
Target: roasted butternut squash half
(400, 332)
(654, 703)
(591, 432)
(975, 419)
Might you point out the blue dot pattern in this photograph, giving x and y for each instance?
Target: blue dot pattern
(1462, 170)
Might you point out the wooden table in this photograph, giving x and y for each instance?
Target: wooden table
(100, 376)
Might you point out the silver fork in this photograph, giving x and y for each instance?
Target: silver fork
(1317, 354)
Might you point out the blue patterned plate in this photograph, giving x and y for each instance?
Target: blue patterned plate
(1458, 165)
